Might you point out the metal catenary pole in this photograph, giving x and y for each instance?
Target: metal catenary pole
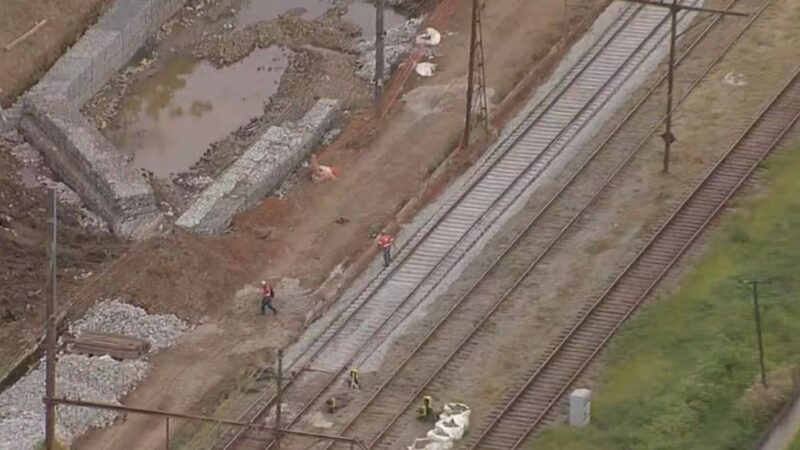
(757, 318)
(471, 75)
(379, 35)
(50, 356)
(160, 413)
(278, 400)
(668, 137)
(674, 9)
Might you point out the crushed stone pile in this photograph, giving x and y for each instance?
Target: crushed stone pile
(101, 379)
(78, 377)
(114, 316)
(398, 42)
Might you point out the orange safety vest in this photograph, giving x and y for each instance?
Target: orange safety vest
(384, 240)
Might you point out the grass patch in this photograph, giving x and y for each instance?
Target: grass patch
(683, 374)
(795, 445)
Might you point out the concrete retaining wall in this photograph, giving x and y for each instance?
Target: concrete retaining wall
(74, 149)
(85, 160)
(260, 170)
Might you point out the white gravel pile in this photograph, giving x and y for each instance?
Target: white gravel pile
(397, 43)
(83, 378)
(78, 377)
(114, 316)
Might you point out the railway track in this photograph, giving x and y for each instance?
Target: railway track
(528, 405)
(497, 183)
(453, 332)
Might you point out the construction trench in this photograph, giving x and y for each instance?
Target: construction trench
(200, 193)
(107, 140)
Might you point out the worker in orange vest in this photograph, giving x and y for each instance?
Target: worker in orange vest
(267, 295)
(385, 241)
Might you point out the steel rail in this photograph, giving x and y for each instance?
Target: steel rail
(791, 88)
(333, 378)
(480, 279)
(482, 172)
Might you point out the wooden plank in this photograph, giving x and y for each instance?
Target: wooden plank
(27, 34)
(114, 345)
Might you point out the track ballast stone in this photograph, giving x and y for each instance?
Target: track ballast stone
(114, 316)
(100, 379)
(398, 42)
(78, 377)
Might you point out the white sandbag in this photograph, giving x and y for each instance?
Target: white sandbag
(425, 69)
(439, 435)
(429, 37)
(459, 412)
(430, 444)
(450, 428)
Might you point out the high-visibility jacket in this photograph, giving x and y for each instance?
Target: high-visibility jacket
(354, 382)
(384, 240)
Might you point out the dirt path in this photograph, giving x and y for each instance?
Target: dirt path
(22, 66)
(784, 432)
(305, 235)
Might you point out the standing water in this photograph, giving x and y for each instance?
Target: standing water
(169, 119)
(254, 11)
(363, 16)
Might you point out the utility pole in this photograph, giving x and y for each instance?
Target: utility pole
(757, 316)
(667, 136)
(50, 351)
(674, 9)
(278, 400)
(379, 35)
(476, 76)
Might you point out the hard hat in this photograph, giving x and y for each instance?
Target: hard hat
(263, 283)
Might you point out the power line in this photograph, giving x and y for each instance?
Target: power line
(50, 351)
(674, 9)
(379, 35)
(476, 96)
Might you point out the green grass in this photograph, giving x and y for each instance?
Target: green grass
(795, 444)
(683, 374)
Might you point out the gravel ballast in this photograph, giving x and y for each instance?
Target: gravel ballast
(398, 42)
(114, 316)
(101, 379)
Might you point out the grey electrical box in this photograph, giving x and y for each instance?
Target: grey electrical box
(580, 405)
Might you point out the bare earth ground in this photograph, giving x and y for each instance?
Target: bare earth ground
(298, 237)
(608, 237)
(20, 67)
(23, 231)
(23, 239)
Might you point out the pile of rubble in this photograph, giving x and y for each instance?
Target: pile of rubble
(398, 42)
(78, 377)
(100, 379)
(114, 316)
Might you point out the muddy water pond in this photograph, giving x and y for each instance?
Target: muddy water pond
(358, 13)
(168, 120)
(363, 16)
(254, 11)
